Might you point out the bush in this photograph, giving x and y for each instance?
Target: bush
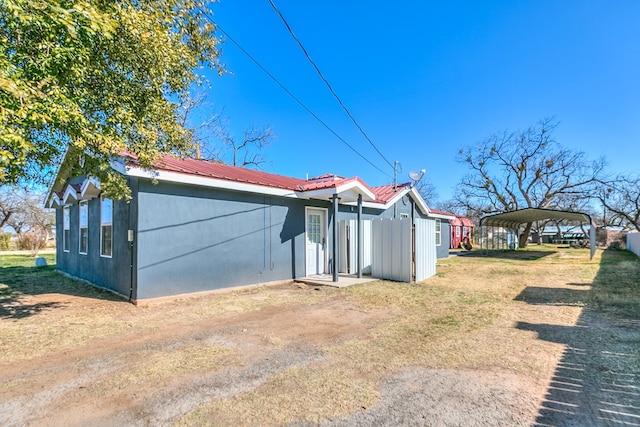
(31, 241)
(5, 241)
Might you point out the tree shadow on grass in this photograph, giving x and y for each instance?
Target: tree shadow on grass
(18, 284)
(597, 381)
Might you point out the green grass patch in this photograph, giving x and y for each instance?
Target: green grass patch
(25, 260)
(616, 287)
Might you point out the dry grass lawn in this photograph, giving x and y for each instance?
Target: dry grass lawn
(543, 336)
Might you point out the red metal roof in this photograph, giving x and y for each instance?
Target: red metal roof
(462, 221)
(227, 173)
(221, 171)
(435, 211)
(385, 193)
(330, 183)
(466, 221)
(326, 177)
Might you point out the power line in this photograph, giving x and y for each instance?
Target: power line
(288, 92)
(326, 82)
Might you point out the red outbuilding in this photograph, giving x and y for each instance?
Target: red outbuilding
(461, 231)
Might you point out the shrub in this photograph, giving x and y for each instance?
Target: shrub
(5, 241)
(31, 241)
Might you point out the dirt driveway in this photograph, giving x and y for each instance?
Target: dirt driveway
(548, 338)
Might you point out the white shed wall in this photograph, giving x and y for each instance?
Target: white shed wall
(633, 243)
(349, 263)
(426, 254)
(391, 244)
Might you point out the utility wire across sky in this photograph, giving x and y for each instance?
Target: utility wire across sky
(326, 82)
(288, 92)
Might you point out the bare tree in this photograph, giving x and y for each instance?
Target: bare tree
(9, 204)
(525, 169)
(212, 139)
(21, 209)
(248, 152)
(428, 191)
(620, 199)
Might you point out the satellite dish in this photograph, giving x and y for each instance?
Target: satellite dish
(417, 176)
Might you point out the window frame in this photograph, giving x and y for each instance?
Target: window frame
(66, 229)
(438, 230)
(82, 203)
(103, 225)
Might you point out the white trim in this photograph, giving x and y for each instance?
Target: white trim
(323, 193)
(212, 182)
(55, 202)
(406, 190)
(118, 165)
(422, 205)
(325, 212)
(380, 206)
(66, 209)
(438, 231)
(70, 191)
(86, 187)
(80, 203)
(441, 216)
(55, 176)
(106, 223)
(205, 181)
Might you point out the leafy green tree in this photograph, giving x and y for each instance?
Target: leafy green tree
(525, 169)
(93, 78)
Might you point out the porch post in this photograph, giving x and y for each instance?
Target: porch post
(335, 238)
(360, 236)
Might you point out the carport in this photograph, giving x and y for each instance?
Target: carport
(501, 231)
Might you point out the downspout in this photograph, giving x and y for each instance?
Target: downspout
(335, 238)
(360, 236)
(131, 235)
(130, 240)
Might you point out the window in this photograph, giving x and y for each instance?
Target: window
(314, 234)
(464, 231)
(66, 234)
(106, 227)
(457, 231)
(84, 227)
(438, 232)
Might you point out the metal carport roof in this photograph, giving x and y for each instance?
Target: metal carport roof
(516, 218)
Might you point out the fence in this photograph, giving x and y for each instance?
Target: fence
(396, 246)
(348, 237)
(633, 243)
(425, 245)
(391, 248)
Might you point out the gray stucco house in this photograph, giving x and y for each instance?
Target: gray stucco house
(194, 226)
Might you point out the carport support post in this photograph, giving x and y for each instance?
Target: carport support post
(335, 238)
(360, 236)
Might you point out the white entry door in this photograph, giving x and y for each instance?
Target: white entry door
(316, 240)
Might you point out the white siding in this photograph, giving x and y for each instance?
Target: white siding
(391, 243)
(633, 243)
(426, 255)
(352, 227)
(342, 238)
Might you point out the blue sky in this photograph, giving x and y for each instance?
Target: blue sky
(425, 78)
